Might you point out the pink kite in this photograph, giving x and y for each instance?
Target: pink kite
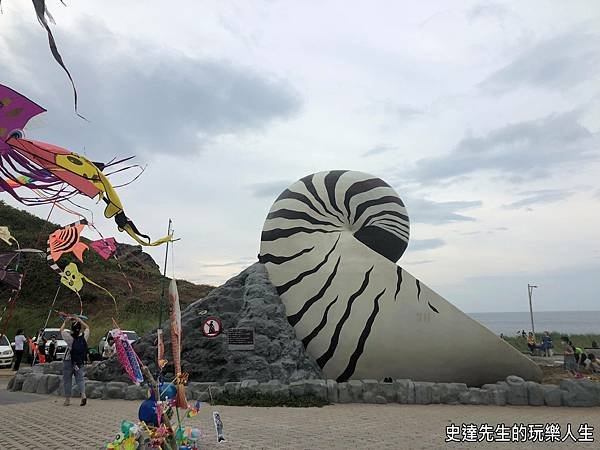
(105, 247)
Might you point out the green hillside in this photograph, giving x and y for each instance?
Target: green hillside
(137, 309)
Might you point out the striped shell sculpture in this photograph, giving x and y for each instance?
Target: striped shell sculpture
(330, 245)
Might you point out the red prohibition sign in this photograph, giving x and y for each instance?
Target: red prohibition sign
(212, 327)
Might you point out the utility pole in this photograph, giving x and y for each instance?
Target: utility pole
(530, 288)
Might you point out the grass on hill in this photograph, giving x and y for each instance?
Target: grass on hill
(137, 308)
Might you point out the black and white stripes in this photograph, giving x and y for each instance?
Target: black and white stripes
(330, 244)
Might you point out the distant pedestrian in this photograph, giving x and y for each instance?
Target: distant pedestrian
(75, 357)
(569, 357)
(594, 344)
(51, 353)
(109, 348)
(501, 335)
(531, 344)
(42, 350)
(523, 334)
(547, 344)
(20, 340)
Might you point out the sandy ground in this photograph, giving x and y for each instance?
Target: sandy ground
(31, 421)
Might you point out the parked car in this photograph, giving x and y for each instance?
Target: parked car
(131, 337)
(61, 345)
(6, 352)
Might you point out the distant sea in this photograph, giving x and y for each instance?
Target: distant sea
(568, 322)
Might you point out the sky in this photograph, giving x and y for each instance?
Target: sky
(484, 116)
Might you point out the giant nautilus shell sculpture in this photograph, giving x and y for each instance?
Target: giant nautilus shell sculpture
(330, 245)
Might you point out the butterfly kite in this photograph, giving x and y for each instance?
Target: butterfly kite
(53, 173)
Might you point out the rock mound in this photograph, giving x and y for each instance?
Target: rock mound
(247, 300)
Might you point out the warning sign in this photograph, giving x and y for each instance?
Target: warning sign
(212, 327)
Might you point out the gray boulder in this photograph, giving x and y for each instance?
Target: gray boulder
(95, 389)
(496, 393)
(31, 382)
(406, 391)
(135, 392)
(53, 383)
(475, 396)
(53, 368)
(42, 385)
(516, 393)
(344, 395)
(11, 383)
(389, 391)
(115, 389)
(332, 391)
(370, 391)
(579, 393)
(423, 392)
(552, 395)
(247, 300)
(535, 393)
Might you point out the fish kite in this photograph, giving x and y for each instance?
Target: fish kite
(54, 173)
(6, 236)
(127, 356)
(176, 333)
(105, 247)
(66, 240)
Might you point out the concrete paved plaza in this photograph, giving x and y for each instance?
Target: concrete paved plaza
(32, 421)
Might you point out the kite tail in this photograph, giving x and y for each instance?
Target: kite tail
(42, 13)
(104, 289)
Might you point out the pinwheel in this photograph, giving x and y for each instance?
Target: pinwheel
(54, 173)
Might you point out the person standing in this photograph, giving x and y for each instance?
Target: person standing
(75, 357)
(42, 350)
(20, 340)
(109, 348)
(51, 349)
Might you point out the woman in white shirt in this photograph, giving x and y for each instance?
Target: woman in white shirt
(20, 340)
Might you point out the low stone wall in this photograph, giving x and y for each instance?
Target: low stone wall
(47, 379)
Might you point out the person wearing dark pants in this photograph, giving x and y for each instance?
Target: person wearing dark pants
(20, 340)
(75, 358)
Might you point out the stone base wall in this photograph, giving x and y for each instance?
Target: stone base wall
(47, 379)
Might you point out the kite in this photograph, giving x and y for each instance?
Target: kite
(6, 236)
(105, 247)
(127, 356)
(12, 278)
(66, 240)
(175, 314)
(43, 15)
(54, 173)
(72, 278)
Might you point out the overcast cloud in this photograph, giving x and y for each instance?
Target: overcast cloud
(483, 115)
